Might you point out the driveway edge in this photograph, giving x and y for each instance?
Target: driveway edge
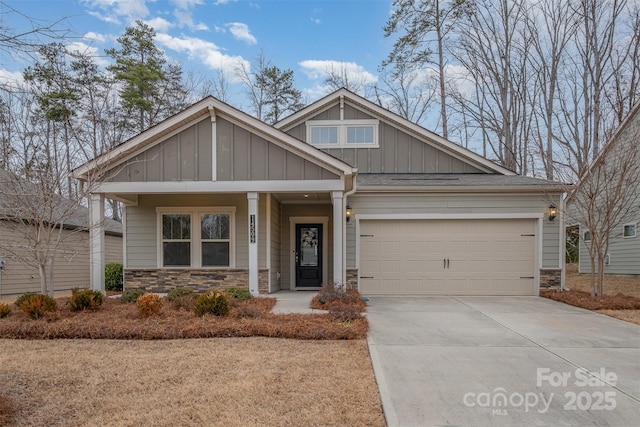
(387, 405)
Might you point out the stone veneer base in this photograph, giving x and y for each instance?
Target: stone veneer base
(163, 280)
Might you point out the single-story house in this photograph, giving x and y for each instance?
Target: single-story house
(342, 191)
(71, 267)
(622, 151)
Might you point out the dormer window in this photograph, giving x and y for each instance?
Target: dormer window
(343, 133)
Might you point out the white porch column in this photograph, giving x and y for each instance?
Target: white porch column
(338, 236)
(96, 241)
(253, 243)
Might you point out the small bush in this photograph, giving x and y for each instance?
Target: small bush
(344, 313)
(22, 298)
(36, 306)
(213, 302)
(334, 294)
(85, 299)
(4, 310)
(185, 302)
(241, 294)
(131, 295)
(113, 276)
(179, 292)
(148, 304)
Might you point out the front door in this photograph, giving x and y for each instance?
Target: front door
(308, 255)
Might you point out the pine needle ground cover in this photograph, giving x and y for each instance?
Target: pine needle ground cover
(118, 320)
(621, 295)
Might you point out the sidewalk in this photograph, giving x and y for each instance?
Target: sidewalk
(294, 302)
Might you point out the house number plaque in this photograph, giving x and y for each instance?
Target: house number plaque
(252, 228)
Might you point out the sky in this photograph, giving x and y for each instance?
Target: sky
(305, 36)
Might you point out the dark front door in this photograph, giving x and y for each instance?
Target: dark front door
(308, 255)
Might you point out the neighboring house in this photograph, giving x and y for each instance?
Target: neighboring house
(71, 267)
(342, 191)
(623, 256)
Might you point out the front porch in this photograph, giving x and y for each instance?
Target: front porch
(222, 240)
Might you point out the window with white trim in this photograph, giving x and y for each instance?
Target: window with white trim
(196, 237)
(629, 230)
(343, 133)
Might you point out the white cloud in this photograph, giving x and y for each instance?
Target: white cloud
(219, 2)
(241, 32)
(159, 24)
(316, 20)
(206, 52)
(111, 9)
(95, 37)
(319, 69)
(184, 14)
(12, 79)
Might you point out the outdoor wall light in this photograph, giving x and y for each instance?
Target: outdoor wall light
(348, 213)
(553, 211)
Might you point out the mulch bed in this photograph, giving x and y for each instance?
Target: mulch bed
(585, 300)
(118, 320)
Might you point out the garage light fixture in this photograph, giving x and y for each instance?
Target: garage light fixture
(553, 211)
(348, 213)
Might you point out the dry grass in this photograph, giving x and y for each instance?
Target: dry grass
(117, 320)
(621, 295)
(213, 382)
(613, 285)
(6, 410)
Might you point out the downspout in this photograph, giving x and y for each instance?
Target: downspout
(344, 240)
(563, 242)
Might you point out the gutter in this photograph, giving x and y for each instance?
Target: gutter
(460, 189)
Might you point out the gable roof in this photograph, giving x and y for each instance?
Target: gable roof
(383, 114)
(208, 107)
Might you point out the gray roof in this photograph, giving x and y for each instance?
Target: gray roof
(431, 180)
(25, 200)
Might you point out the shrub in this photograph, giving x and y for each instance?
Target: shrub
(35, 306)
(344, 313)
(148, 304)
(334, 294)
(185, 302)
(85, 299)
(179, 292)
(113, 276)
(240, 294)
(22, 298)
(131, 295)
(4, 310)
(214, 302)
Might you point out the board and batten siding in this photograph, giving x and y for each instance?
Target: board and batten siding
(398, 152)
(245, 156)
(70, 270)
(185, 156)
(142, 231)
(386, 204)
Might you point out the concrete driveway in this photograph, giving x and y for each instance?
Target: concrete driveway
(485, 361)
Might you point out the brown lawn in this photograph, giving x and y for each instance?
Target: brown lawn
(621, 295)
(194, 382)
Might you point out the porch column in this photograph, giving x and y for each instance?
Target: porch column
(338, 236)
(253, 243)
(96, 241)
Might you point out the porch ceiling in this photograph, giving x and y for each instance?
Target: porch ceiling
(304, 197)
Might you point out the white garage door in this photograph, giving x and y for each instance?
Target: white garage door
(448, 257)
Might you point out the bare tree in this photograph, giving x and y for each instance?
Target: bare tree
(339, 76)
(493, 48)
(423, 25)
(407, 92)
(608, 194)
(255, 94)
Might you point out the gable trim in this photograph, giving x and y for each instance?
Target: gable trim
(393, 119)
(212, 108)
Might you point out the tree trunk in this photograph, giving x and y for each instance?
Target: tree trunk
(592, 278)
(43, 279)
